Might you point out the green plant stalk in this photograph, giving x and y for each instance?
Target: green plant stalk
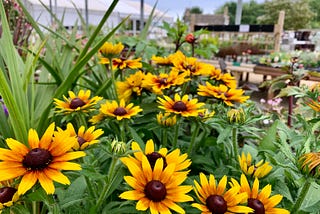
(235, 142)
(164, 137)
(193, 138)
(105, 189)
(176, 133)
(113, 80)
(301, 197)
(122, 126)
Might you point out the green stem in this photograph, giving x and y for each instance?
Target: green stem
(176, 133)
(106, 186)
(301, 197)
(235, 142)
(122, 125)
(164, 137)
(193, 138)
(113, 80)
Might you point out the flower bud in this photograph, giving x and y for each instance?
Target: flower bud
(190, 38)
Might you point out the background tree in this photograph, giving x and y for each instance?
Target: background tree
(196, 10)
(315, 8)
(298, 14)
(250, 11)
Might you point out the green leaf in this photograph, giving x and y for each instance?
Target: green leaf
(267, 142)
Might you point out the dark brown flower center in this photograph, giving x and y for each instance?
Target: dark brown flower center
(81, 141)
(256, 205)
(6, 194)
(37, 159)
(216, 204)
(163, 81)
(76, 103)
(155, 191)
(153, 157)
(179, 106)
(120, 111)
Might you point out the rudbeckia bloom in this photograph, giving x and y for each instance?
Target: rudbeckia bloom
(190, 65)
(310, 163)
(77, 103)
(42, 161)
(8, 195)
(182, 106)
(216, 199)
(162, 60)
(258, 170)
(166, 119)
(158, 83)
(120, 63)
(84, 137)
(131, 86)
(119, 110)
(156, 189)
(180, 161)
(223, 93)
(109, 50)
(261, 201)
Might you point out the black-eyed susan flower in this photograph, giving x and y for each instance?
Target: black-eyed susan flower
(131, 86)
(119, 110)
(181, 105)
(190, 65)
(161, 60)
(258, 170)
(180, 161)
(260, 201)
(42, 161)
(215, 198)
(162, 81)
(80, 102)
(166, 119)
(8, 194)
(109, 50)
(229, 80)
(84, 137)
(121, 63)
(310, 163)
(158, 189)
(223, 93)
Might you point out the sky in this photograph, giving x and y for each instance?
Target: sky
(176, 8)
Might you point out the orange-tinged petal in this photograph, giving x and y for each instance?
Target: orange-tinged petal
(157, 170)
(143, 204)
(149, 147)
(173, 206)
(17, 147)
(27, 182)
(65, 166)
(146, 168)
(70, 156)
(8, 174)
(132, 195)
(47, 137)
(167, 173)
(222, 185)
(56, 175)
(33, 139)
(46, 183)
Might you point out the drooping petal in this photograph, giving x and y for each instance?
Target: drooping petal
(46, 183)
(27, 182)
(56, 175)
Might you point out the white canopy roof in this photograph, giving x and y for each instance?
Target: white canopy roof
(127, 7)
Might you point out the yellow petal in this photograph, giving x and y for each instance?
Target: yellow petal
(70, 156)
(56, 176)
(47, 137)
(46, 183)
(33, 139)
(146, 168)
(149, 147)
(132, 195)
(143, 204)
(65, 166)
(222, 185)
(17, 147)
(27, 182)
